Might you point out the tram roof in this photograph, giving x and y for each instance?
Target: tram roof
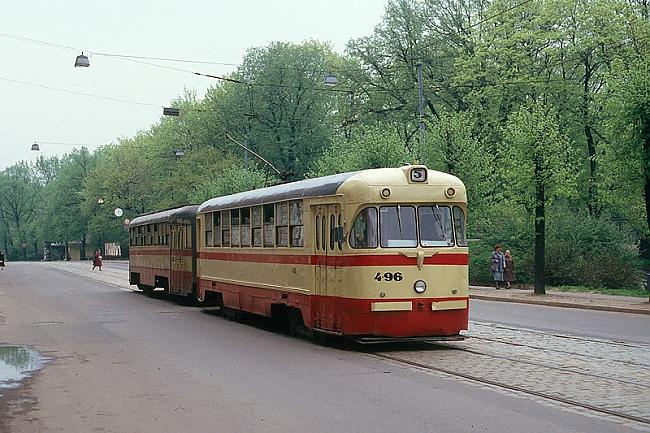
(317, 187)
(320, 186)
(166, 215)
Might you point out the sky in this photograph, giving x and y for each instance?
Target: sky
(219, 31)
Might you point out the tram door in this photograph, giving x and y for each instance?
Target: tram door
(328, 269)
(180, 272)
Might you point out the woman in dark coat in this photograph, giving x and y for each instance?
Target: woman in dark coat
(97, 260)
(2, 261)
(509, 273)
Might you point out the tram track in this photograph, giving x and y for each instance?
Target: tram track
(511, 387)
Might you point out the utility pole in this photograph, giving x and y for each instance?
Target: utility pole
(421, 102)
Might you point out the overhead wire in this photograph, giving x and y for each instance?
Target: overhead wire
(76, 92)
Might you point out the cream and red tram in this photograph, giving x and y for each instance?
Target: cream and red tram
(375, 254)
(162, 251)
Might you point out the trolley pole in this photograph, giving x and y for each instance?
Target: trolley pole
(421, 102)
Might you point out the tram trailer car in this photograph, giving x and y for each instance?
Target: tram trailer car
(162, 251)
(372, 255)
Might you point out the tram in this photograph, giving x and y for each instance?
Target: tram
(162, 251)
(372, 255)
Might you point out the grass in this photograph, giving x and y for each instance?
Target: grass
(639, 293)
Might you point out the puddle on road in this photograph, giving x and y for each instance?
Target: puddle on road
(17, 364)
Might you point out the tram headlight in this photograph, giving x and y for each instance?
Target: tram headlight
(420, 286)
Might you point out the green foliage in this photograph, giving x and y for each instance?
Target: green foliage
(230, 180)
(370, 147)
(583, 249)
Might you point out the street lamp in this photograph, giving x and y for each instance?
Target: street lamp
(330, 80)
(35, 147)
(81, 61)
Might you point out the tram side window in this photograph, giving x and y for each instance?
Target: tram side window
(269, 224)
(257, 225)
(208, 230)
(460, 225)
(225, 223)
(397, 227)
(245, 227)
(234, 227)
(217, 229)
(435, 226)
(364, 229)
(148, 235)
(296, 226)
(332, 232)
(282, 224)
(339, 240)
(317, 231)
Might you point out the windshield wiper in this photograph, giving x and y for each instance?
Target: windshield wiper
(399, 222)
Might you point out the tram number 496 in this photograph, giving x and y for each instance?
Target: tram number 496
(389, 276)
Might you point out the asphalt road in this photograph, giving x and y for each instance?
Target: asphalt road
(623, 327)
(122, 362)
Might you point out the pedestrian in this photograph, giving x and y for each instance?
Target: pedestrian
(498, 265)
(509, 274)
(2, 261)
(97, 260)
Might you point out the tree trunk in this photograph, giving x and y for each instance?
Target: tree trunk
(592, 197)
(646, 167)
(540, 229)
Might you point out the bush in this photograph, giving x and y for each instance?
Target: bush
(585, 250)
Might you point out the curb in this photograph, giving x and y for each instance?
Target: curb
(563, 304)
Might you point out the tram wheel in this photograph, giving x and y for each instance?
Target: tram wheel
(148, 290)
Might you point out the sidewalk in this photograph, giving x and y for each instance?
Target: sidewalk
(586, 301)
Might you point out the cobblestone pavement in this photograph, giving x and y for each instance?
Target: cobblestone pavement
(608, 375)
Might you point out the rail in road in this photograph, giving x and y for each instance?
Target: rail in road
(606, 378)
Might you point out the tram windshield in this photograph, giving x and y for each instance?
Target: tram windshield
(397, 226)
(435, 226)
(403, 226)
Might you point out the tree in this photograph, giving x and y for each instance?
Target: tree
(277, 104)
(372, 147)
(539, 161)
(19, 206)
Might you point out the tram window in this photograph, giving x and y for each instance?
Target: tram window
(234, 227)
(317, 231)
(225, 223)
(282, 224)
(323, 231)
(460, 226)
(217, 229)
(339, 239)
(296, 223)
(332, 232)
(208, 230)
(245, 227)
(397, 227)
(435, 226)
(269, 226)
(364, 229)
(256, 223)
